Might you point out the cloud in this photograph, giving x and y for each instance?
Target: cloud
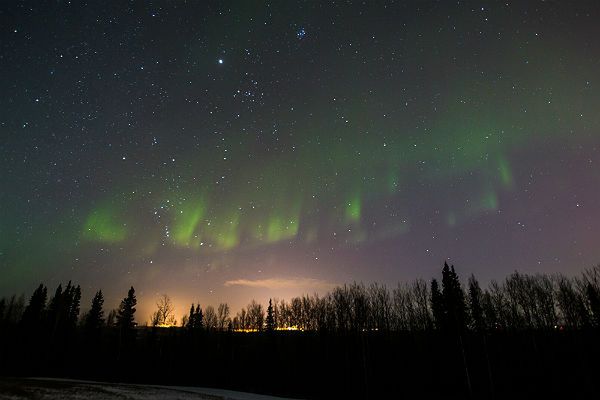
(282, 283)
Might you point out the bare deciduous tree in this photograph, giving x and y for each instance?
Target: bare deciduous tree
(165, 312)
(223, 316)
(210, 318)
(256, 315)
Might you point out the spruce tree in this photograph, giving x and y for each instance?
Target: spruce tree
(195, 319)
(270, 321)
(190, 322)
(198, 318)
(95, 318)
(63, 320)
(437, 306)
(32, 316)
(126, 312)
(475, 306)
(454, 298)
(454, 303)
(74, 307)
(55, 307)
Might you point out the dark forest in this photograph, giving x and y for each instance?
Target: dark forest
(534, 334)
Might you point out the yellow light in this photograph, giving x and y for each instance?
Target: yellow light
(165, 326)
(289, 328)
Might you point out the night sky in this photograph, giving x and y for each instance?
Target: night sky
(224, 151)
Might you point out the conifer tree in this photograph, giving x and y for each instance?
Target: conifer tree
(55, 307)
(63, 313)
(74, 307)
(437, 306)
(270, 321)
(198, 318)
(454, 298)
(32, 316)
(190, 321)
(475, 306)
(126, 312)
(95, 318)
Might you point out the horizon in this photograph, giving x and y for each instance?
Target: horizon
(147, 306)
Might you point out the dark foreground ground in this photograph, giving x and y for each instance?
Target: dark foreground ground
(50, 389)
(308, 365)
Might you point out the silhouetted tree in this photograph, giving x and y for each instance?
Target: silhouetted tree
(455, 311)
(593, 299)
(95, 317)
(198, 318)
(255, 316)
(437, 306)
(380, 306)
(74, 307)
(33, 314)
(454, 299)
(499, 305)
(240, 321)
(210, 318)
(571, 304)
(282, 318)
(475, 306)
(342, 307)
(164, 314)
(402, 308)
(422, 318)
(56, 308)
(223, 316)
(126, 313)
(190, 318)
(270, 320)
(295, 311)
(530, 301)
(63, 309)
(359, 307)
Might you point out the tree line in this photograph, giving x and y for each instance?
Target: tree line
(520, 302)
(444, 337)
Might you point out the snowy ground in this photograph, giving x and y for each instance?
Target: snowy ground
(51, 389)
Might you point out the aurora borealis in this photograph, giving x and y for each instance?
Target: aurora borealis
(219, 151)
